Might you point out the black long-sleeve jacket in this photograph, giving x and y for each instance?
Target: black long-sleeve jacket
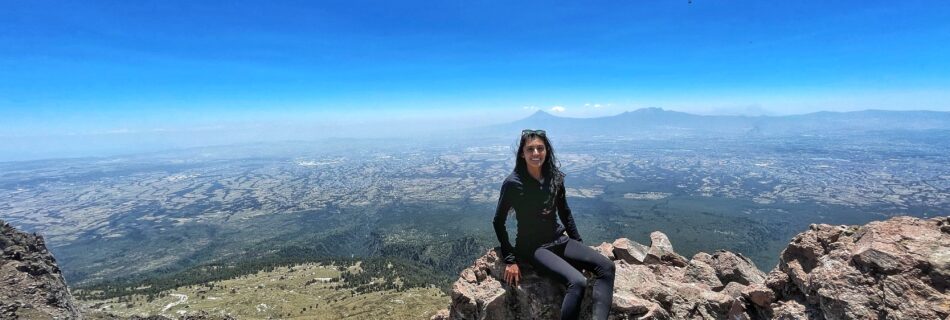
(534, 203)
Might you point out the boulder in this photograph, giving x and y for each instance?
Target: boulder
(731, 267)
(607, 250)
(733, 289)
(629, 251)
(701, 272)
(661, 251)
(758, 294)
(481, 294)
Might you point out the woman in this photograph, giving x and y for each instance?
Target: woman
(535, 189)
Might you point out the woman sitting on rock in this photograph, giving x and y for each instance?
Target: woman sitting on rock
(535, 189)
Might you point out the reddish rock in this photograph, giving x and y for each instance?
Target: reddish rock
(630, 304)
(659, 289)
(701, 272)
(759, 294)
(490, 298)
(790, 310)
(629, 251)
(733, 289)
(607, 250)
(738, 311)
(894, 269)
(661, 251)
(731, 267)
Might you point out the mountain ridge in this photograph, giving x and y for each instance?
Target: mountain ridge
(658, 122)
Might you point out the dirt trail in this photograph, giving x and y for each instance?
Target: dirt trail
(181, 299)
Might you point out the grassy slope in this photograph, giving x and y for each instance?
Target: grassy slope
(282, 294)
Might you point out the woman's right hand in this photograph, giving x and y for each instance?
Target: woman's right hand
(512, 274)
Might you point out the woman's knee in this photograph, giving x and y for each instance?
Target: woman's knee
(579, 283)
(607, 269)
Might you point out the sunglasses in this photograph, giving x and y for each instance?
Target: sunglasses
(529, 131)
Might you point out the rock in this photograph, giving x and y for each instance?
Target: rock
(661, 251)
(759, 294)
(469, 276)
(894, 269)
(909, 298)
(778, 282)
(490, 298)
(679, 300)
(731, 267)
(34, 287)
(737, 311)
(629, 251)
(704, 257)
(701, 272)
(789, 310)
(881, 260)
(607, 250)
(441, 315)
(660, 289)
(630, 304)
(733, 289)
(798, 277)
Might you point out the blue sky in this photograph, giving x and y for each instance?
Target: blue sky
(109, 67)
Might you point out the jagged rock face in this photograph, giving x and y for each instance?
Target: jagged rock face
(481, 294)
(651, 283)
(894, 269)
(32, 284)
(731, 267)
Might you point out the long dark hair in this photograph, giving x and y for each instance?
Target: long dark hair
(551, 168)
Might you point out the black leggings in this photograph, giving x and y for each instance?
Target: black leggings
(557, 261)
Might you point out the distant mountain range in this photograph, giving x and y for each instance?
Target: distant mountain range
(656, 122)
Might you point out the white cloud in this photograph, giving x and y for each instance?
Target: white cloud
(119, 131)
(557, 109)
(596, 105)
(530, 108)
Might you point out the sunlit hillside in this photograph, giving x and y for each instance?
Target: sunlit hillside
(306, 291)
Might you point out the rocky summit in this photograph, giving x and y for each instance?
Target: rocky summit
(894, 269)
(32, 284)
